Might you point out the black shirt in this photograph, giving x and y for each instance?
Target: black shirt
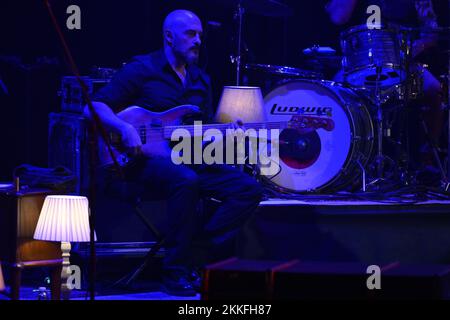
(150, 82)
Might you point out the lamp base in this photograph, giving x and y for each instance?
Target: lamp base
(66, 271)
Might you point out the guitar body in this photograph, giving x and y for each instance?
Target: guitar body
(155, 131)
(150, 126)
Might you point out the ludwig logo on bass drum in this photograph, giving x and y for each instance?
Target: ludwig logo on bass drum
(318, 111)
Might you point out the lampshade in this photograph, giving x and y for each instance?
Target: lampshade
(243, 103)
(65, 219)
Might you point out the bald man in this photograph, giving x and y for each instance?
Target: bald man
(158, 82)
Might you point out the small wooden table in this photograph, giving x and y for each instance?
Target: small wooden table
(19, 214)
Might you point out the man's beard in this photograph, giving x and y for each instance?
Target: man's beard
(192, 59)
(188, 57)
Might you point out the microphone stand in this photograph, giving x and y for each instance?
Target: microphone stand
(97, 128)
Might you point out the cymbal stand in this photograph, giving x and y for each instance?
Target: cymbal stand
(239, 15)
(406, 57)
(447, 185)
(379, 125)
(380, 158)
(448, 110)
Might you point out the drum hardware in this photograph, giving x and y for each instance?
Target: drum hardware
(414, 84)
(363, 175)
(239, 16)
(317, 50)
(380, 159)
(268, 77)
(323, 60)
(284, 72)
(269, 8)
(447, 97)
(435, 150)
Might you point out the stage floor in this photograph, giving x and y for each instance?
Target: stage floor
(286, 202)
(28, 294)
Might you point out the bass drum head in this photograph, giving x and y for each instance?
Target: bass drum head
(313, 159)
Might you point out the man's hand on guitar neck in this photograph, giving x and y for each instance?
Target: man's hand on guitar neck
(238, 124)
(131, 140)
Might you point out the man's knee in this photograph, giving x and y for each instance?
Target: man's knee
(189, 180)
(250, 190)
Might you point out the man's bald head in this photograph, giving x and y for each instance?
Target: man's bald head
(180, 18)
(182, 31)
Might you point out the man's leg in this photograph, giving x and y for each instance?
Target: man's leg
(179, 186)
(159, 178)
(239, 194)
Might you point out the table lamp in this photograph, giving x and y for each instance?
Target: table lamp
(64, 219)
(241, 103)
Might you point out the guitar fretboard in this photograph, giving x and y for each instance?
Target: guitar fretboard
(196, 130)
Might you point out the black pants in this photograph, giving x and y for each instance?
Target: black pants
(183, 186)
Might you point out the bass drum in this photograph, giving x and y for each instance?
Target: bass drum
(325, 159)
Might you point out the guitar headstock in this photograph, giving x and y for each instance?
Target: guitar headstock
(310, 122)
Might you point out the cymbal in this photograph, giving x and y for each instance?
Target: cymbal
(284, 71)
(268, 8)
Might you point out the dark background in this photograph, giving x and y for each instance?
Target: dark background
(32, 61)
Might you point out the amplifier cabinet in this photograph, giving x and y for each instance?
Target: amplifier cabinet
(68, 146)
(72, 99)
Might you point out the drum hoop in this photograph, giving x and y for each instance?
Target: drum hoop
(352, 154)
(353, 139)
(350, 71)
(372, 66)
(364, 27)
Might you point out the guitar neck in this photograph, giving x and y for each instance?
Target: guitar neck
(197, 130)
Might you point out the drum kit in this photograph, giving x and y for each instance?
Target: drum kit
(376, 74)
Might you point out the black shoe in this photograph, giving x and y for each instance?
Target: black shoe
(177, 282)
